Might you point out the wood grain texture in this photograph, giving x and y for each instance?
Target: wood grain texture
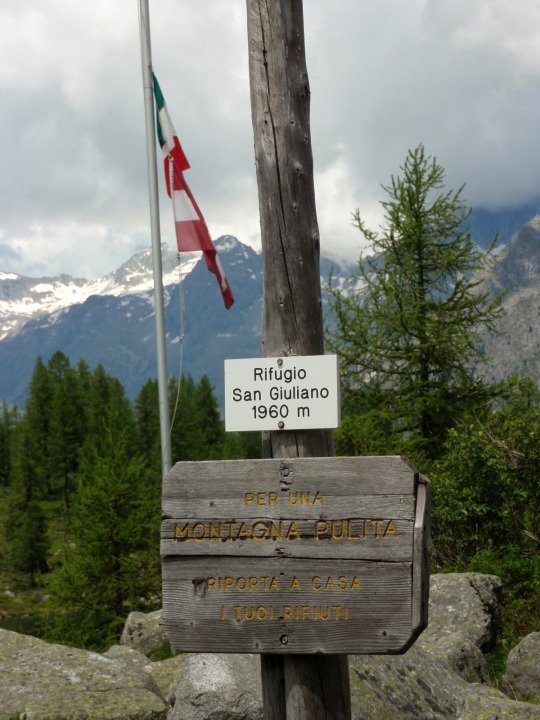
(421, 557)
(287, 607)
(333, 477)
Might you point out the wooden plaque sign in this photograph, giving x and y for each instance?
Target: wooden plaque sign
(299, 555)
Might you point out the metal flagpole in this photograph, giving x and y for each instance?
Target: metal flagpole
(148, 88)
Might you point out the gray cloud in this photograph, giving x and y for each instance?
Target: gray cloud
(461, 77)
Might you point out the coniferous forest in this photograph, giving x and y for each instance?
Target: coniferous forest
(80, 496)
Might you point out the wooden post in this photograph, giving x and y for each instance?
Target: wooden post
(295, 687)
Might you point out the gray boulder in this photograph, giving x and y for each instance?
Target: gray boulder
(144, 632)
(481, 706)
(522, 677)
(219, 687)
(41, 680)
(406, 687)
(464, 615)
(165, 674)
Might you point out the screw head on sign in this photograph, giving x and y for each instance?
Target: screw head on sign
(280, 361)
(285, 471)
(281, 424)
(284, 639)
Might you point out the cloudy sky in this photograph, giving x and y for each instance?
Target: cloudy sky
(460, 76)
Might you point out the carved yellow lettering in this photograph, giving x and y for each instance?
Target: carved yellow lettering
(342, 582)
(229, 583)
(243, 532)
(317, 498)
(261, 499)
(222, 612)
(272, 498)
(337, 534)
(258, 531)
(241, 584)
(198, 532)
(377, 524)
(316, 583)
(356, 584)
(254, 583)
(211, 584)
(305, 498)
(214, 531)
(390, 529)
(329, 585)
(274, 585)
(276, 531)
(305, 610)
(249, 497)
(295, 584)
(293, 533)
(287, 612)
(321, 529)
(180, 532)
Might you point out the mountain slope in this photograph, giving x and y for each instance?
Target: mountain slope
(515, 348)
(112, 320)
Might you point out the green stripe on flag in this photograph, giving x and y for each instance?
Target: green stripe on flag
(160, 104)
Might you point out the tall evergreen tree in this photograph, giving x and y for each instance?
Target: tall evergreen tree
(111, 564)
(8, 421)
(407, 338)
(208, 440)
(107, 396)
(147, 423)
(32, 455)
(67, 432)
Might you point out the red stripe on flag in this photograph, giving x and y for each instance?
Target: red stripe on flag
(191, 231)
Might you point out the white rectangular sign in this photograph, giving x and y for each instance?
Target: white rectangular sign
(297, 392)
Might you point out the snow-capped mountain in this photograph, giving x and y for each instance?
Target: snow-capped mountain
(110, 321)
(23, 299)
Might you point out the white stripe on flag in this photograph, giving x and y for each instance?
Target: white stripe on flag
(222, 273)
(183, 207)
(167, 128)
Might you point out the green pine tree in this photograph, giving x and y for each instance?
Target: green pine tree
(110, 565)
(147, 424)
(407, 338)
(8, 422)
(67, 433)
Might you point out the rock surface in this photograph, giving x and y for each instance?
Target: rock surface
(464, 613)
(144, 632)
(41, 681)
(220, 687)
(522, 677)
(405, 687)
(429, 682)
(486, 707)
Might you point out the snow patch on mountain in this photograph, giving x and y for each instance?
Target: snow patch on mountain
(23, 298)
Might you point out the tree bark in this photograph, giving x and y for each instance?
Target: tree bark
(295, 687)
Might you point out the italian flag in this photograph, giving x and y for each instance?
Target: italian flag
(191, 231)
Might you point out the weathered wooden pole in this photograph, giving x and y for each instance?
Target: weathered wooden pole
(295, 687)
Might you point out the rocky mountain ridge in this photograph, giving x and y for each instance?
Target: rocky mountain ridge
(515, 347)
(110, 321)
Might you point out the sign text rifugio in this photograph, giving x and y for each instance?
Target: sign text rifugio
(285, 393)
